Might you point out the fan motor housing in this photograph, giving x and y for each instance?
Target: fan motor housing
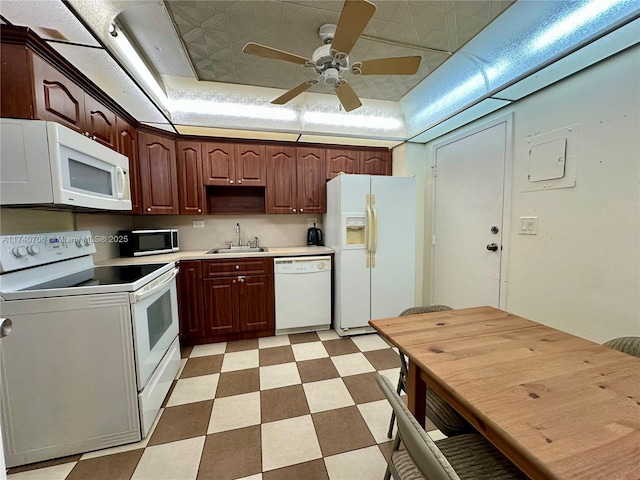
(322, 58)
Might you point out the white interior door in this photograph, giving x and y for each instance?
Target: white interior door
(468, 219)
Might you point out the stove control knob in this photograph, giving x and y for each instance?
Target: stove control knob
(33, 249)
(19, 252)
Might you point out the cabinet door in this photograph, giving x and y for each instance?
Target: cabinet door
(256, 306)
(281, 180)
(220, 300)
(158, 177)
(250, 165)
(190, 307)
(311, 181)
(341, 161)
(375, 162)
(218, 163)
(127, 145)
(100, 122)
(16, 82)
(57, 98)
(190, 184)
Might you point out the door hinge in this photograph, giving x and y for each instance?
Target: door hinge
(433, 240)
(434, 170)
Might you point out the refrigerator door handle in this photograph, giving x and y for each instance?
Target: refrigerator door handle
(369, 231)
(374, 243)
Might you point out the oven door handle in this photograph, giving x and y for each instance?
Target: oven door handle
(137, 297)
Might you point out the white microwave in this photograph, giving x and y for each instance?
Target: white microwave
(45, 163)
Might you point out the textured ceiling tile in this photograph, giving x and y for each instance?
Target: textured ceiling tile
(214, 33)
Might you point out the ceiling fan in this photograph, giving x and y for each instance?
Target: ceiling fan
(331, 60)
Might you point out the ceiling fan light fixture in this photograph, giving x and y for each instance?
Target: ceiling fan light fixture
(331, 76)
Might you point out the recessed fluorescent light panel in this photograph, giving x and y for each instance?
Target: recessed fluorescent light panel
(527, 37)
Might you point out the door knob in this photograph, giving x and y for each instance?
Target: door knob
(492, 246)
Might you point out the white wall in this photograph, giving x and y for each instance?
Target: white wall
(581, 272)
(273, 230)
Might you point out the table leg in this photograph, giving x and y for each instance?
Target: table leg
(416, 393)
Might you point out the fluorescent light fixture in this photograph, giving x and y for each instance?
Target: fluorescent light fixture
(574, 21)
(228, 109)
(136, 64)
(353, 121)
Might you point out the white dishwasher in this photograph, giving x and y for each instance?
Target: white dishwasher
(303, 294)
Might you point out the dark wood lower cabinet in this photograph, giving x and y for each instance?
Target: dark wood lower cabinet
(190, 307)
(226, 300)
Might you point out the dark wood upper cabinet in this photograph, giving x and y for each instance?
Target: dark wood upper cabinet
(127, 145)
(375, 162)
(158, 176)
(250, 165)
(57, 98)
(100, 122)
(16, 81)
(295, 180)
(341, 161)
(218, 163)
(311, 181)
(281, 193)
(234, 164)
(190, 183)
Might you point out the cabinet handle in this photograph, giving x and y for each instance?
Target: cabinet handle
(199, 210)
(233, 281)
(93, 138)
(237, 267)
(230, 181)
(294, 210)
(241, 279)
(301, 210)
(149, 209)
(239, 181)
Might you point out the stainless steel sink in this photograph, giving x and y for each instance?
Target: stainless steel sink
(237, 250)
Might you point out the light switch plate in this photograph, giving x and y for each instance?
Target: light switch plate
(198, 224)
(311, 221)
(528, 226)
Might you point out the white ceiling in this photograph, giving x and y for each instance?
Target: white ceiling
(214, 33)
(210, 85)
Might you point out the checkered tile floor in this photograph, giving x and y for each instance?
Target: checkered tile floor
(302, 406)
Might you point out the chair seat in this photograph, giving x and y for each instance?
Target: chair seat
(474, 458)
(405, 466)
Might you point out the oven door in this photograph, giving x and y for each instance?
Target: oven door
(154, 310)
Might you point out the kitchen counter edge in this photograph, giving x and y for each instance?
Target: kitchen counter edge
(202, 255)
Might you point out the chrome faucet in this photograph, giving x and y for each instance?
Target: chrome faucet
(238, 232)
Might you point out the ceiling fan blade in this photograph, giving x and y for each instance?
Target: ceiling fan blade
(391, 66)
(354, 18)
(347, 97)
(293, 93)
(268, 52)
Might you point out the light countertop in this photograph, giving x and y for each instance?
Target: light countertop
(202, 255)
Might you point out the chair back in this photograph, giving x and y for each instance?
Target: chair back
(630, 345)
(426, 456)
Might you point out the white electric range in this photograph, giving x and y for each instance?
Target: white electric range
(88, 353)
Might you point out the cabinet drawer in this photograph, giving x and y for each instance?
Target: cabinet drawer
(237, 266)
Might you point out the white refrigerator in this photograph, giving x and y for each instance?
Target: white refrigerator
(370, 223)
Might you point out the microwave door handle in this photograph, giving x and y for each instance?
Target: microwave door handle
(137, 297)
(120, 179)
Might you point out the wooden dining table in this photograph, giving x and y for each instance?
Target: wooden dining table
(557, 405)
